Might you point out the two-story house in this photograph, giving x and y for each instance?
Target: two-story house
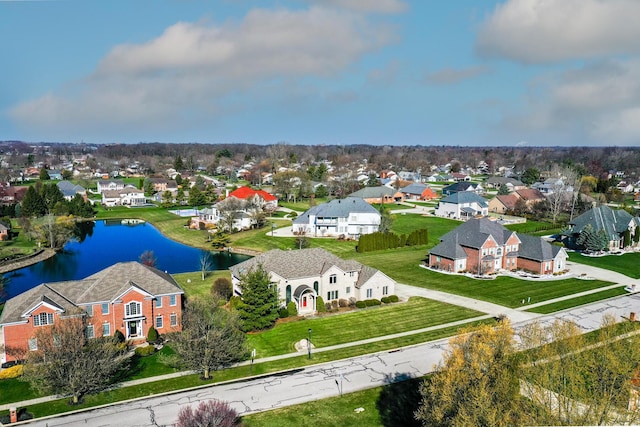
(620, 229)
(462, 205)
(110, 185)
(126, 196)
(129, 297)
(481, 246)
(303, 275)
(351, 217)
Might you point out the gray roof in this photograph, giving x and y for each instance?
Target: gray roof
(613, 222)
(537, 249)
(465, 197)
(414, 188)
(475, 232)
(459, 186)
(373, 192)
(103, 286)
(302, 263)
(337, 208)
(69, 189)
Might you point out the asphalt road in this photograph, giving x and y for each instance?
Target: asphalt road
(315, 382)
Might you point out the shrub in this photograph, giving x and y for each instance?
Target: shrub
(343, 302)
(334, 304)
(234, 302)
(327, 307)
(145, 351)
(361, 304)
(372, 302)
(393, 298)
(385, 300)
(222, 288)
(210, 413)
(283, 313)
(119, 336)
(152, 335)
(12, 372)
(320, 307)
(291, 308)
(352, 301)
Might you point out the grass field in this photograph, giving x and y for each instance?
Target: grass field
(627, 264)
(574, 302)
(193, 284)
(363, 324)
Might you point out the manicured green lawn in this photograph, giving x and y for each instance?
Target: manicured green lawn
(627, 264)
(417, 313)
(533, 227)
(405, 224)
(193, 284)
(574, 302)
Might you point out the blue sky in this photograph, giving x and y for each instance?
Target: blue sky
(383, 72)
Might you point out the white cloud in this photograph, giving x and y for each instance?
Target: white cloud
(196, 70)
(598, 101)
(538, 31)
(447, 76)
(373, 6)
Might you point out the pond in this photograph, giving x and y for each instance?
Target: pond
(104, 243)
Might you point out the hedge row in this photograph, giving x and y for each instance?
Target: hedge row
(389, 240)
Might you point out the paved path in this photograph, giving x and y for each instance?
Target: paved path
(27, 261)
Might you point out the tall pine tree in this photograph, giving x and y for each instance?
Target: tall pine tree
(259, 307)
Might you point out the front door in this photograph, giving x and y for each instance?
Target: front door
(304, 301)
(133, 329)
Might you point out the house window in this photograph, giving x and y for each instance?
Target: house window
(333, 278)
(106, 329)
(438, 259)
(385, 290)
(352, 273)
(288, 294)
(172, 300)
(173, 319)
(33, 344)
(89, 333)
(159, 322)
(315, 286)
(133, 309)
(332, 295)
(89, 310)
(158, 302)
(43, 319)
(348, 290)
(369, 293)
(105, 308)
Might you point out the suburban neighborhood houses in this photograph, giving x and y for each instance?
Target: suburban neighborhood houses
(350, 217)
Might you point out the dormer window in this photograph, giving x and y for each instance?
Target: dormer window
(43, 319)
(134, 308)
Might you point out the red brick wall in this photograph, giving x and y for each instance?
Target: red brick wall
(443, 264)
(530, 265)
(17, 336)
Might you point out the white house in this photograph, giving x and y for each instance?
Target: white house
(462, 205)
(127, 196)
(304, 275)
(110, 185)
(351, 217)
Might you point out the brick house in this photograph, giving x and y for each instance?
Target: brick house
(129, 297)
(482, 246)
(418, 191)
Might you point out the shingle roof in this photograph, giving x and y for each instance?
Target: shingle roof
(537, 249)
(465, 197)
(530, 194)
(245, 192)
(508, 200)
(103, 286)
(301, 263)
(338, 208)
(459, 186)
(613, 222)
(475, 232)
(373, 192)
(414, 188)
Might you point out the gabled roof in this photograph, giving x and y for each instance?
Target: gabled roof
(245, 192)
(537, 249)
(465, 197)
(459, 186)
(414, 188)
(103, 286)
(373, 192)
(337, 208)
(508, 200)
(613, 222)
(296, 264)
(475, 232)
(528, 194)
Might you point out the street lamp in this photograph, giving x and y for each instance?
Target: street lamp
(272, 227)
(309, 343)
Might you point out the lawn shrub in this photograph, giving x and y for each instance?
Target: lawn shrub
(234, 302)
(119, 336)
(385, 300)
(361, 304)
(152, 335)
(327, 307)
(12, 372)
(343, 302)
(320, 307)
(372, 302)
(352, 302)
(292, 309)
(283, 313)
(211, 413)
(145, 351)
(393, 298)
(334, 304)
(222, 288)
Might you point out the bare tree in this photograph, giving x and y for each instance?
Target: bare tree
(210, 339)
(148, 258)
(213, 413)
(206, 263)
(230, 209)
(67, 362)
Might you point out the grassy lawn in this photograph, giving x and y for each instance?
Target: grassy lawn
(403, 266)
(574, 302)
(627, 264)
(405, 224)
(534, 227)
(193, 284)
(363, 324)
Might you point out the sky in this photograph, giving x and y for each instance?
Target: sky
(381, 72)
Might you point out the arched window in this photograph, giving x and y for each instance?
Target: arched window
(288, 297)
(315, 286)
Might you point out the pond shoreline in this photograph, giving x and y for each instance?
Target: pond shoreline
(27, 260)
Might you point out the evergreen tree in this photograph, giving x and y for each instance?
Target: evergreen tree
(32, 203)
(178, 163)
(148, 187)
(51, 196)
(196, 197)
(259, 307)
(44, 175)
